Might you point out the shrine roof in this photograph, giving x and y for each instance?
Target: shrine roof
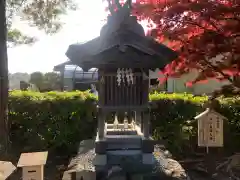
(121, 44)
(126, 49)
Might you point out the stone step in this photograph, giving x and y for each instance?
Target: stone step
(122, 138)
(129, 132)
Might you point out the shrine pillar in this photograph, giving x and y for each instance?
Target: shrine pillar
(146, 126)
(101, 123)
(138, 118)
(146, 112)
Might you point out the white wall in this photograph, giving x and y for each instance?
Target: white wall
(178, 84)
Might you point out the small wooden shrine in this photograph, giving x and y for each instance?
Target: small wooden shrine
(32, 165)
(123, 55)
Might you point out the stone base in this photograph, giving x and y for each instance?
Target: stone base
(100, 160)
(147, 145)
(161, 165)
(148, 158)
(100, 146)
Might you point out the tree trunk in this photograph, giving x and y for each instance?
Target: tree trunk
(3, 81)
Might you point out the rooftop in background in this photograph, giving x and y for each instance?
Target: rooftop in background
(73, 71)
(61, 66)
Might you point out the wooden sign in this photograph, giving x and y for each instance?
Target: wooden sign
(210, 129)
(33, 165)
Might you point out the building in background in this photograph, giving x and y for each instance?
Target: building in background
(74, 78)
(178, 85)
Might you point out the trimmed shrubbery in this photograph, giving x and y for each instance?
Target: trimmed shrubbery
(51, 120)
(61, 119)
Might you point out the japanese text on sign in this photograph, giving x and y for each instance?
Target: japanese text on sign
(210, 131)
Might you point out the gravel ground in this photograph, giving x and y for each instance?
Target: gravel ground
(58, 167)
(164, 165)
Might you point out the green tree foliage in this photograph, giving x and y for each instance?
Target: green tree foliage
(37, 79)
(51, 81)
(39, 13)
(46, 82)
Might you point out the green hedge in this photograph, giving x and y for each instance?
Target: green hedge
(173, 115)
(56, 120)
(50, 120)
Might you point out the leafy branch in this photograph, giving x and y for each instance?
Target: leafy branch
(45, 15)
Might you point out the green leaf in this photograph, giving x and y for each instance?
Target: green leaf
(45, 15)
(16, 37)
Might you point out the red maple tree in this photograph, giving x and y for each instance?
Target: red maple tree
(206, 34)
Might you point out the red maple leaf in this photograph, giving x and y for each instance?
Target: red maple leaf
(205, 33)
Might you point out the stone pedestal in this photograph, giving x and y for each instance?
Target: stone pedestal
(148, 158)
(89, 166)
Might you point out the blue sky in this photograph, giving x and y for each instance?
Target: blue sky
(79, 26)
